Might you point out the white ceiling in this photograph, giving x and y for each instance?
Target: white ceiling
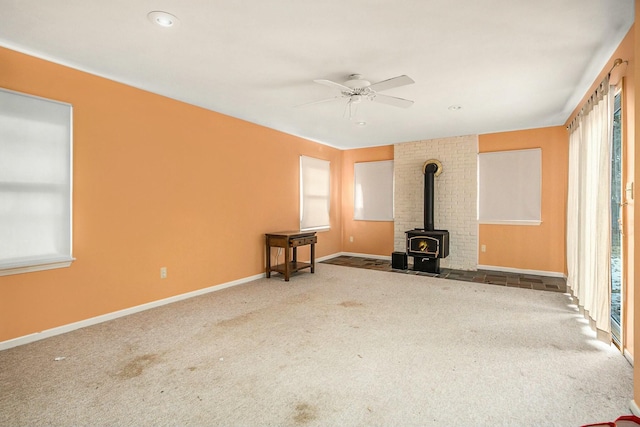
(510, 64)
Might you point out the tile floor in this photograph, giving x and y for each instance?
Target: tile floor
(528, 281)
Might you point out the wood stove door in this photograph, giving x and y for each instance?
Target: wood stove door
(424, 246)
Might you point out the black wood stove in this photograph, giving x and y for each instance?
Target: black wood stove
(428, 245)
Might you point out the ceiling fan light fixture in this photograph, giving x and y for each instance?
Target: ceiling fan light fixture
(357, 82)
(163, 19)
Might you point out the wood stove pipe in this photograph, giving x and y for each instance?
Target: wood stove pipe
(431, 168)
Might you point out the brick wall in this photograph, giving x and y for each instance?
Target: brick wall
(455, 198)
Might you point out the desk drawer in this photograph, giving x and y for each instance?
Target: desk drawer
(301, 241)
(277, 241)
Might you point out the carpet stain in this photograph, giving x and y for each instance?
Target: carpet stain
(351, 304)
(299, 299)
(304, 413)
(237, 321)
(136, 367)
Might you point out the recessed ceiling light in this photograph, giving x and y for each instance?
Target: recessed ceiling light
(455, 107)
(361, 123)
(163, 19)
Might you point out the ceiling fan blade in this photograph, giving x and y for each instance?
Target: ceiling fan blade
(391, 83)
(392, 100)
(319, 102)
(334, 85)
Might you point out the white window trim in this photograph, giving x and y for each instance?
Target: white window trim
(39, 265)
(54, 261)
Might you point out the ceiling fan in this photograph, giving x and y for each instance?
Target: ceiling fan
(356, 89)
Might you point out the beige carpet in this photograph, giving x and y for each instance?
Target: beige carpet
(342, 347)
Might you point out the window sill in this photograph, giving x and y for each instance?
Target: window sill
(318, 229)
(33, 265)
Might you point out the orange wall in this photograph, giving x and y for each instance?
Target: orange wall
(369, 237)
(540, 247)
(157, 183)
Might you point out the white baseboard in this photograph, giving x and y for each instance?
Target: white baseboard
(326, 257)
(628, 356)
(634, 408)
(522, 271)
(4, 345)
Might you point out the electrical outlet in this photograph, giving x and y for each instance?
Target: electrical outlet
(163, 272)
(351, 239)
(483, 248)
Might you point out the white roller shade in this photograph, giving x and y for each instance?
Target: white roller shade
(35, 181)
(509, 187)
(373, 191)
(315, 193)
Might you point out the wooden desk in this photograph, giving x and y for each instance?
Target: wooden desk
(288, 240)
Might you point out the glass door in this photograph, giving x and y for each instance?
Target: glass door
(616, 222)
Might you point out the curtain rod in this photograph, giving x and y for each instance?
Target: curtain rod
(616, 63)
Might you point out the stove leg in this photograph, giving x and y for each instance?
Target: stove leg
(427, 265)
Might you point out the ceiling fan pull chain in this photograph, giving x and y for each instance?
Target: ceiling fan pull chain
(347, 106)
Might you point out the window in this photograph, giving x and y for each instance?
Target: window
(617, 202)
(314, 193)
(509, 187)
(35, 183)
(373, 191)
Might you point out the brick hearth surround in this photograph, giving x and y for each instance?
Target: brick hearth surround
(455, 195)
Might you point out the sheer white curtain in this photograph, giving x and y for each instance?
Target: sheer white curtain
(588, 210)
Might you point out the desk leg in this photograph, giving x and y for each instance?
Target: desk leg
(313, 257)
(268, 261)
(287, 264)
